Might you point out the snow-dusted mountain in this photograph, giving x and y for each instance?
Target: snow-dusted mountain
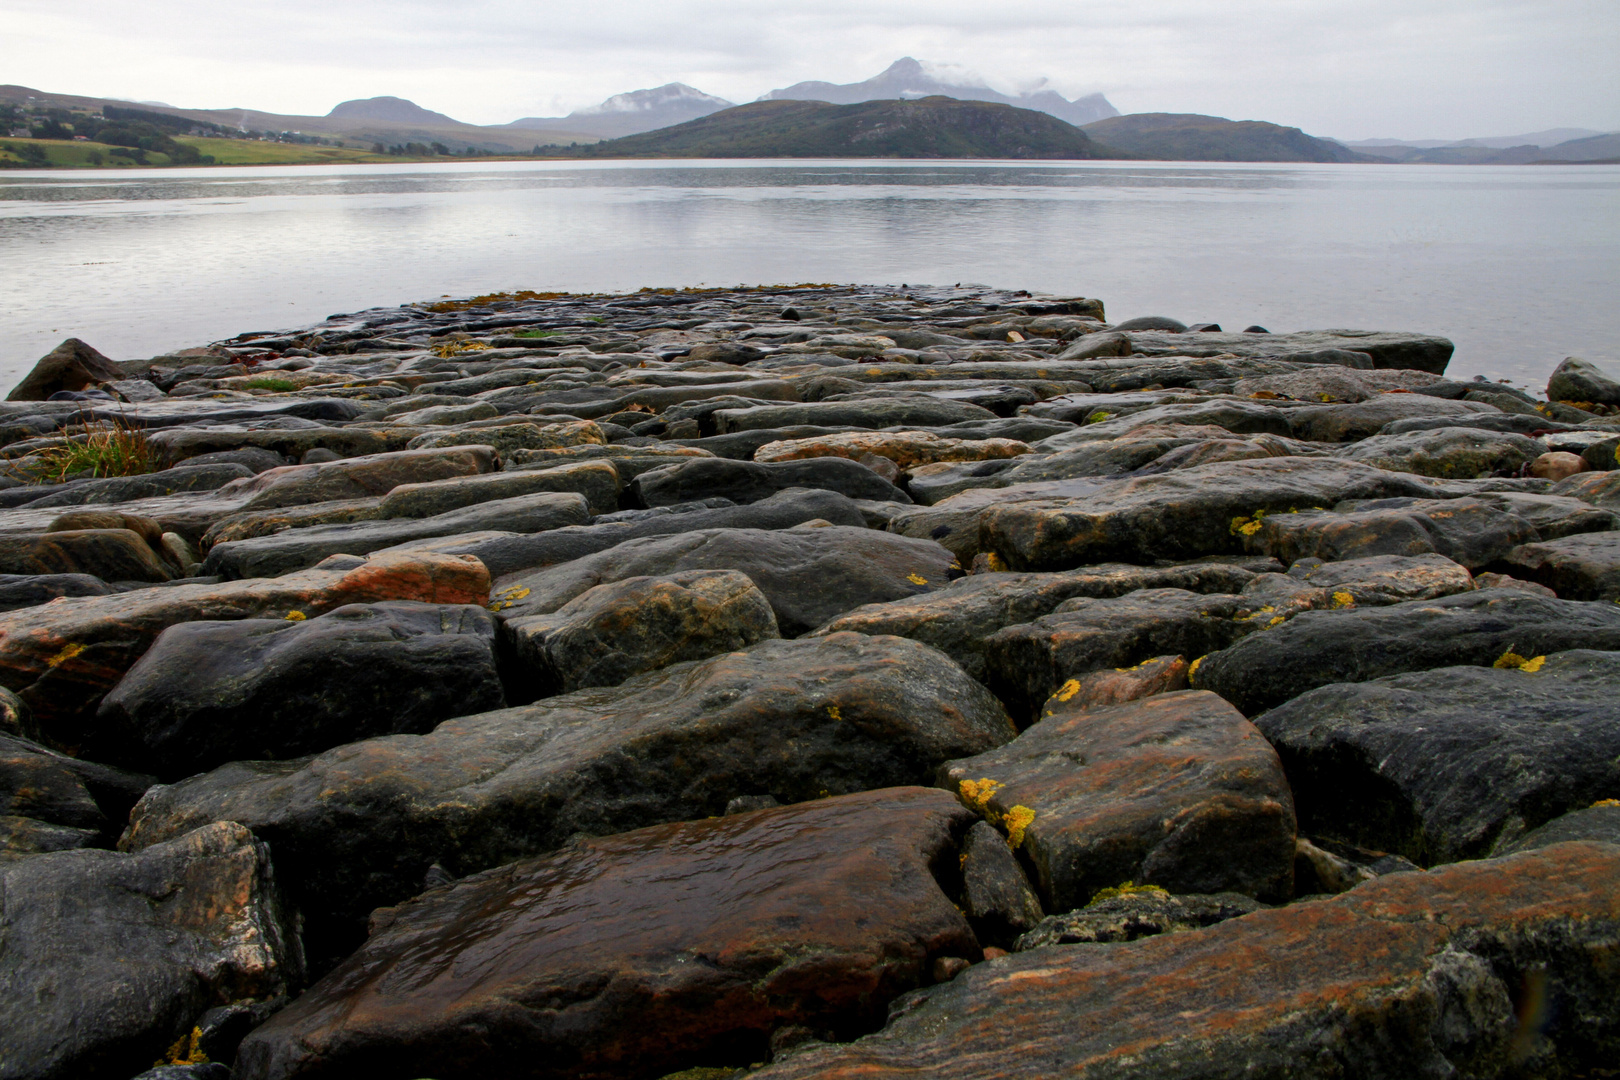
(632, 113)
(907, 78)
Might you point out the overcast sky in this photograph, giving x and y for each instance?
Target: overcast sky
(1346, 68)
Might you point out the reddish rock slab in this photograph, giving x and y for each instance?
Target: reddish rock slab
(643, 953)
(1176, 790)
(63, 657)
(1412, 975)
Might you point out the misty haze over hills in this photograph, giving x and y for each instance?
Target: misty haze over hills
(632, 113)
(908, 79)
(1550, 137)
(390, 109)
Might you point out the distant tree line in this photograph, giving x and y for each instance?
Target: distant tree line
(433, 149)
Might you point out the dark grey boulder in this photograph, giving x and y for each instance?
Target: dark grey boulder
(996, 896)
(596, 480)
(1599, 822)
(210, 692)
(119, 489)
(51, 801)
(1152, 322)
(810, 573)
(1441, 765)
(1472, 532)
(299, 549)
(1028, 662)
(107, 959)
(31, 590)
(1176, 790)
(751, 481)
(1361, 419)
(72, 365)
(960, 618)
(359, 825)
(1554, 516)
(1581, 380)
(1360, 644)
(612, 632)
(1137, 913)
(507, 553)
(1580, 567)
(1448, 452)
(115, 554)
(255, 458)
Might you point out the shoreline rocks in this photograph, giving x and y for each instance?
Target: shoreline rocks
(543, 684)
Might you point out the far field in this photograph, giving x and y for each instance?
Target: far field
(91, 155)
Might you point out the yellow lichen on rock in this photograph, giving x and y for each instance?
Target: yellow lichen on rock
(66, 653)
(1017, 819)
(1068, 690)
(978, 793)
(1343, 600)
(1126, 888)
(1511, 659)
(295, 616)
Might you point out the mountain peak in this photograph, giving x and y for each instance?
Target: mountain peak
(392, 109)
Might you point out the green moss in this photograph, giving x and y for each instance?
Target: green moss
(278, 385)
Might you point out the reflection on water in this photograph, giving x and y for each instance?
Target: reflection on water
(1516, 264)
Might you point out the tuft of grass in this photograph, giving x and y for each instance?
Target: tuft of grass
(107, 448)
(268, 383)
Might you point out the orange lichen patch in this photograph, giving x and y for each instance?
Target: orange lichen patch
(1193, 670)
(1071, 688)
(186, 1050)
(1606, 802)
(1017, 819)
(976, 794)
(456, 348)
(832, 711)
(916, 579)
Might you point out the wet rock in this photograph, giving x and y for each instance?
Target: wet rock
(907, 449)
(1136, 912)
(1360, 420)
(1441, 765)
(1178, 515)
(793, 719)
(914, 411)
(1581, 567)
(109, 958)
(179, 444)
(959, 618)
(612, 632)
(1175, 790)
(52, 802)
(1553, 516)
(1581, 380)
(359, 477)
(598, 481)
(1360, 644)
(254, 523)
(509, 554)
(812, 916)
(72, 365)
(1378, 580)
(1095, 345)
(811, 574)
(1455, 452)
(255, 459)
(1330, 383)
(63, 658)
(1116, 686)
(1508, 581)
(1152, 322)
(297, 549)
(107, 554)
(1599, 822)
(1472, 532)
(1411, 975)
(210, 692)
(747, 481)
(436, 415)
(1602, 456)
(1598, 488)
(119, 489)
(1028, 663)
(996, 896)
(507, 438)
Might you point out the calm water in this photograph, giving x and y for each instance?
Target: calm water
(1518, 265)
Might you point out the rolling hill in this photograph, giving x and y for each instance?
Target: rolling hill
(1191, 137)
(630, 113)
(932, 127)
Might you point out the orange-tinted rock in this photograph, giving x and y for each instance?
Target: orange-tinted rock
(1557, 465)
(645, 952)
(1484, 969)
(1176, 790)
(61, 658)
(905, 448)
(1115, 686)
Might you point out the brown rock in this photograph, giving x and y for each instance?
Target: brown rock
(645, 952)
(1160, 675)
(72, 365)
(252, 523)
(1557, 465)
(1411, 975)
(109, 554)
(1175, 790)
(63, 657)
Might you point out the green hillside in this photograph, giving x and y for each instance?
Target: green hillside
(1191, 137)
(932, 127)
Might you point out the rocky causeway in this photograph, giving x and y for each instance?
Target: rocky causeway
(807, 682)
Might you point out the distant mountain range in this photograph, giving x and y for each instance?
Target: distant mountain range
(931, 127)
(1593, 147)
(907, 79)
(1549, 137)
(632, 113)
(1191, 137)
